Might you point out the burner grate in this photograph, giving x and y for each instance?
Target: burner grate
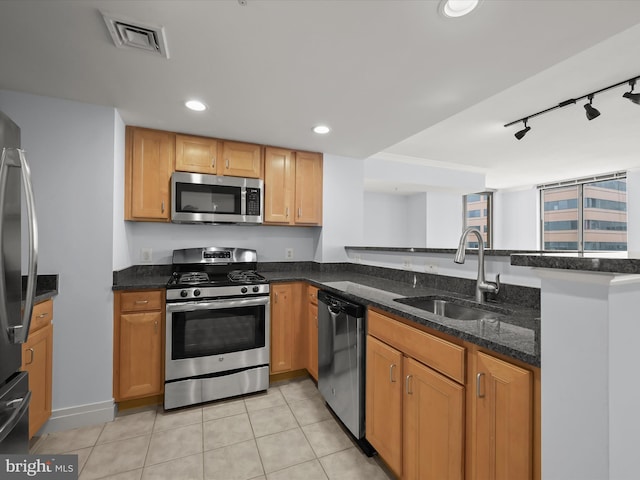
(245, 276)
(194, 278)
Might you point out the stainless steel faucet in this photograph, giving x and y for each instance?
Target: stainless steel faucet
(482, 285)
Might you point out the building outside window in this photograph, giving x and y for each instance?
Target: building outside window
(589, 215)
(477, 213)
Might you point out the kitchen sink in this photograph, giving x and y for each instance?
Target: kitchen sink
(454, 308)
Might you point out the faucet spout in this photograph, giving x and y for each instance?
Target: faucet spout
(482, 285)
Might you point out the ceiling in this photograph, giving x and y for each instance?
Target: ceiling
(387, 76)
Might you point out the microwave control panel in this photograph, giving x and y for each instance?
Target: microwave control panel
(253, 201)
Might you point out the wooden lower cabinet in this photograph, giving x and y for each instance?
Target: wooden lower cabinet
(37, 359)
(288, 331)
(415, 415)
(433, 424)
(138, 344)
(312, 330)
(384, 402)
(502, 433)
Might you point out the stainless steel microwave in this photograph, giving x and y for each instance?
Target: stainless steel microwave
(199, 198)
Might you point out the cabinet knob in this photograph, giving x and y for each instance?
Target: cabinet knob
(478, 385)
(407, 384)
(393, 365)
(162, 206)
(142, 302)
(42, 315)
(32, 355)
(155, 326)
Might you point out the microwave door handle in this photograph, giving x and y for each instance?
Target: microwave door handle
(4, 315)
(19, 334)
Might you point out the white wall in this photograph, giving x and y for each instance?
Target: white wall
(444, 219)
(343, 207)
(269, 241)
(70, 147)
(417, 219)
(386, 220)
(515, 216)
(121, 254)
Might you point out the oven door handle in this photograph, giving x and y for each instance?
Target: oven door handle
(216, 304)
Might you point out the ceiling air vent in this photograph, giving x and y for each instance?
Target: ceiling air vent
(128, 34)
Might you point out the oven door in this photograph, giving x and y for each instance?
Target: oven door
(215, 336)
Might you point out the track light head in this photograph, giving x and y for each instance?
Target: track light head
(634, 97)
(591, 111)
(521, 133)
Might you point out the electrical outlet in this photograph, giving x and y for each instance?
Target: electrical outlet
(146, 254)
(288, 253)
(406, 264)
(430, 268)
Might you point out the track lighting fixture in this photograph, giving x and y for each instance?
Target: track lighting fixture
(590, 110)
(634, 97)
(521, 133)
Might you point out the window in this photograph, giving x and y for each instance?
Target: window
(587, 215)
(478, 213)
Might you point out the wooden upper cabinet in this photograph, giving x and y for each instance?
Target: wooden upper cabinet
(196, 154)
(149, 162)
(279, 171)
(292, 187)
(241, 160)
(502, 431)
(308, 194)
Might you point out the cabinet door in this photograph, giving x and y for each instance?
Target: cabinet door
(503, 426)
(37, 361)
(384, 386)
(148, 174)
(196, 154)
(433, 435)
(140, 362)
(312, 325)
(308, 191)
(279, 178)
(241, 160)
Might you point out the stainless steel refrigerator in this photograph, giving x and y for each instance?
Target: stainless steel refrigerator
(14, 324)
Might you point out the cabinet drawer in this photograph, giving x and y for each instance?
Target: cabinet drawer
(139, 301)
(439, 354)
(42, 315)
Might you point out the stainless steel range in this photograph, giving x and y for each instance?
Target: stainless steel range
(217, 342)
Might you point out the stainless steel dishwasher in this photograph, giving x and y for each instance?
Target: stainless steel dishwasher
(341, 361)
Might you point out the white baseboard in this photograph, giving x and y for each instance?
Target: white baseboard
(80, 416)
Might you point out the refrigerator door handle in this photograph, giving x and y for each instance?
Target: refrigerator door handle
(16, 415)
(18, 334)
(21, 332)
(4, 315)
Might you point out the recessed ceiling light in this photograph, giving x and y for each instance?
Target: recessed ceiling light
(321, 129)
(195, 105)
(457, 8)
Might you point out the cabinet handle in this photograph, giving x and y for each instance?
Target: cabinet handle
(155, 326)
(213, 162)
(478, 383)
(286, 212)
(276, 295)
(407, 384)
(162, 206)
(393, 365)
(32, 355)
(142, 302)
(226, 163)
(299, 212)
(42, 315)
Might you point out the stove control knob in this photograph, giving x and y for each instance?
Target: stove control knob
(243, 289)
(184, 293)
(196, 293)
(256, 289)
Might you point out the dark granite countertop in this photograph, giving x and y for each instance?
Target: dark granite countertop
(46, 287)
(588, 262)
(517, 335)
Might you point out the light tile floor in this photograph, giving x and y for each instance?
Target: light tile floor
(286, 433)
